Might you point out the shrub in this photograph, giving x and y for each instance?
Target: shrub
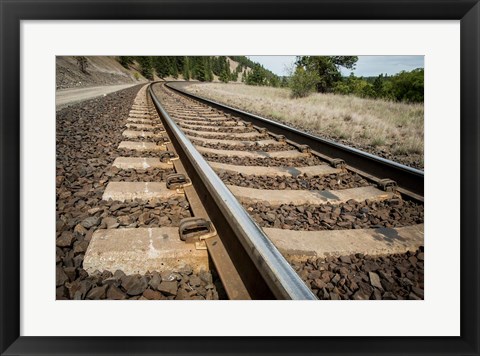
(302, 83)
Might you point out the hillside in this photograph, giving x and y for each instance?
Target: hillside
(107, 70)
(233, 66)
(203, 68)
(100, 71)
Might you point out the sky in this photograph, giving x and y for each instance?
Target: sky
(366, 66)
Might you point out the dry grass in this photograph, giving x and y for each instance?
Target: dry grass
(394, 127)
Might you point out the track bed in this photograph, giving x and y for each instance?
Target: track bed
(273, 219)
(345, 236)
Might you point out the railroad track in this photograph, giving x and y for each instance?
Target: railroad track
(273, 218)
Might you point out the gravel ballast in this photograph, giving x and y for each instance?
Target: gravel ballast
(251, 147)
(87, 137)
(343, 180)
(268, 162)
(228, 129)
(123, 152)
(145, 139)
(359, 277)
(349, 215)
(132, 175)
(228, 137)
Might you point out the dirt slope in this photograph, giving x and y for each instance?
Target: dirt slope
(100, 70)
(233, 66)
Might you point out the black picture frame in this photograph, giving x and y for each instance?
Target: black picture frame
(12, 12)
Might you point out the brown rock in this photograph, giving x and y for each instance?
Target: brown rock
(61, 277)
(97, 292)
(65, 240)
(110, 222)
(375, 280)
(80, 229)
(155, 280)
(115, 293)
(80, 248)
(413, 260)
(318, 283)
(182, 294)
(361, 295)
(168, 288)
(71, 273)
(195, 281)
(134, 284)
(152, 294)
(90, 222)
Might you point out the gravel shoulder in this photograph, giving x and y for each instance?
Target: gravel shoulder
(68, 97)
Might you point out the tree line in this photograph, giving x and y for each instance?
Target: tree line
(202, 68)
(322, 74)
(312, 74)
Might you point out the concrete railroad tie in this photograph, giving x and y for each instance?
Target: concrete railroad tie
(140, 250)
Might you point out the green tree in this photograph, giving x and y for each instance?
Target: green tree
(225, 75)
(239, 69)
(125, 61)
(146, 66)
(327, 69)
(256, 76)
(244, 75)
(406, 86)
(208, 69)
(378, 86)
(273, 80)
(368, 91)
(201, 69)
(172, 65)
(342, 87)
(186, 69)
(302, 82)
(218, 65)
(161, 65)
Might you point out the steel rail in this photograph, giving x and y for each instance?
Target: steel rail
(408, 178)
(280, 277)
